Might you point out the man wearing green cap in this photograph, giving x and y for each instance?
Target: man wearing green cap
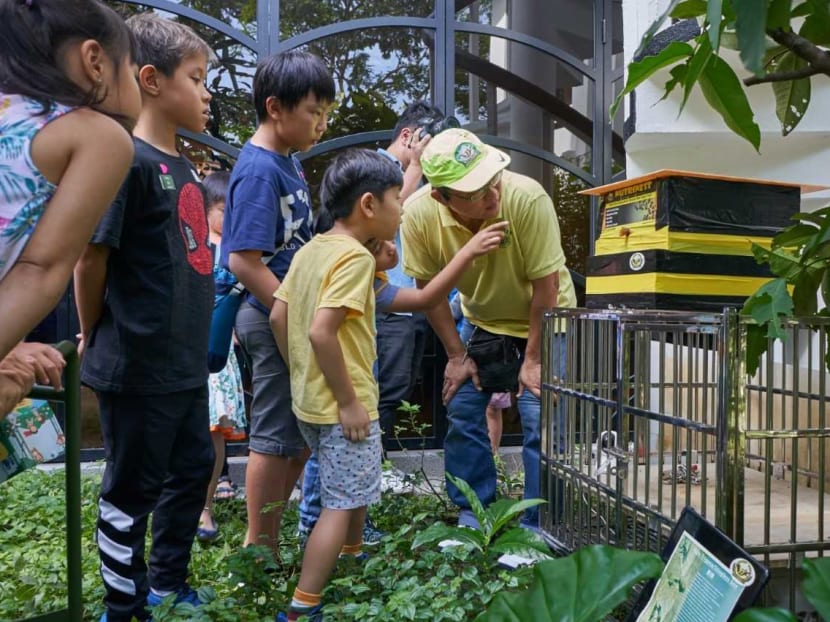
(504, 296)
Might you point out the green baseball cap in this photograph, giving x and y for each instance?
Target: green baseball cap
(458, 160)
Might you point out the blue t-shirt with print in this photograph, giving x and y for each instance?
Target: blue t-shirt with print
(385, 293)
(268, 209)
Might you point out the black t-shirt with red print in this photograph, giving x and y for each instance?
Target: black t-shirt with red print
(153, 333)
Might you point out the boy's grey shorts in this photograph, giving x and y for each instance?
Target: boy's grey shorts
(274, 428)
(349, 471)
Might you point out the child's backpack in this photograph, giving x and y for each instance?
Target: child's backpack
(226, 301)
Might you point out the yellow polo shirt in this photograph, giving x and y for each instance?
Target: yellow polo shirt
(331, 271)
(496, 290)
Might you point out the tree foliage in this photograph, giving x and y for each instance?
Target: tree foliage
(782, 43)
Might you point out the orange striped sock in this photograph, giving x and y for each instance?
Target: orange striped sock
(302, 603)
(351, 549)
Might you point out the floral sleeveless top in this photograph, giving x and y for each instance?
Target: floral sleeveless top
(24, 191)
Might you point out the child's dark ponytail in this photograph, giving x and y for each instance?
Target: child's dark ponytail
(34, 35)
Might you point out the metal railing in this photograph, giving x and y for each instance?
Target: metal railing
(657, 413)
(71, 398)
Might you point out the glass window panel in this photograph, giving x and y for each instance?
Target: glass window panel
(299, 16)
(513, 90)
(574, 35)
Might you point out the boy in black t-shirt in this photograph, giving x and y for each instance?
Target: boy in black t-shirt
(144, 290)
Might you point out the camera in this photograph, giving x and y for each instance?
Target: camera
(435, 125)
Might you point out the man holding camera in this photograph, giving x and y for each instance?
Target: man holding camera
(504, 296)
(400, 336)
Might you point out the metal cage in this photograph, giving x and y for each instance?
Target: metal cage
(657, 412)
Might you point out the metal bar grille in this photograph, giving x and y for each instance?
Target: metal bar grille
(659, 413)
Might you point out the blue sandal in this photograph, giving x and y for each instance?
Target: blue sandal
(203, 534)
(226, 490)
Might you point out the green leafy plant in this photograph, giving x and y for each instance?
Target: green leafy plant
(582, 587)
(780, 42)
(800, 258)
(239, 584)
(412, 423)
(428, 584)
(489, 539)
(509, 482)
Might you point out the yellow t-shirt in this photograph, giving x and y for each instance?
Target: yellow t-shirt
(496, 289)
(330, 271)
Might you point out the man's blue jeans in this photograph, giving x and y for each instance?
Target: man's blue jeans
(467, 451)
(310, 506)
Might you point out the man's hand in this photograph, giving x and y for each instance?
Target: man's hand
(458, 369)
(46, 362)
(16, 379)
(530, 377)
(487, 240)
(355, 421)
(418, 144)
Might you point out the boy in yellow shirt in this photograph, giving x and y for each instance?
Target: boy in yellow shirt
(323, 320)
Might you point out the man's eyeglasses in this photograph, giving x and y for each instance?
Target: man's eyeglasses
(479, 194)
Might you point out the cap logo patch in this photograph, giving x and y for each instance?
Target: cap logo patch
(466, 153)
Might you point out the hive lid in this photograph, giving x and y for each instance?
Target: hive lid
(669, 172)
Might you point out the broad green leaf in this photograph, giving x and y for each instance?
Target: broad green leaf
(503, 511)
(522, 542)
(713, 18)
(760, 253)
(784, 263)
(640, 70)
(582, 587)
(816, 26)
(728, 13)
(821, 237)
(793, 96)
(769, 306)
(756, 344)
(695, 66)
(805, 290)
(802, 9)
(765, 615)
(778, 14)
(689, 9)
(678, 75)
(794, 236)
(750, 24)
(816, 584)
(819, 217)
(474, 501)
(726, 95)
(438, 532)
(655, 26)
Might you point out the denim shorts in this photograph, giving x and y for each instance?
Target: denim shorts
(274, 428)
(349, 471)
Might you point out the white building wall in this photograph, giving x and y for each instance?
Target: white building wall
(699, 140)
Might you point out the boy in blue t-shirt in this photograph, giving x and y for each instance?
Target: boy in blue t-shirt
(144, 291)
(267, 219)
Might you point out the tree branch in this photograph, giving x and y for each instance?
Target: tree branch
(782, 76)
(815, 56)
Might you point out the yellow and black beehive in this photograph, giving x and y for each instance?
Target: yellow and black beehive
(682, 240)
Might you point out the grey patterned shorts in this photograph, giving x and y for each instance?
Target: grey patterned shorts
(349, 471)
